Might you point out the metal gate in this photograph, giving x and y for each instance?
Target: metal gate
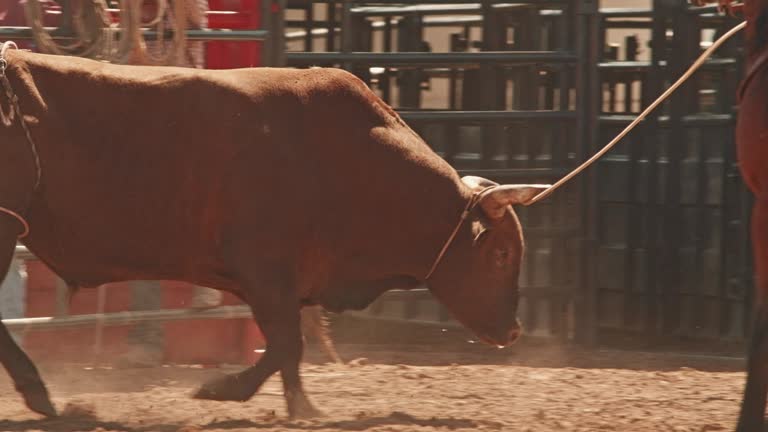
(672, 211)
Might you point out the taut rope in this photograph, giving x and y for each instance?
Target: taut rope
(704, 56)
(477, 195)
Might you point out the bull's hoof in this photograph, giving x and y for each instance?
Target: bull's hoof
(226, 388)
(304, 413)
(37, 400)
(299, 407)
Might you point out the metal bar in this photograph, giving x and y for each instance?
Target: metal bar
(516, 173)
(393, 59)
(645, 66)
(385, 83)
(198, 34)
(588, 86)
(127, 317)
(330, 40)
(485, 116)
(651, 88)
(428, 9)
(400, 3)
(673, 223)
(633, 24)
(410, 35)
(692, 120)
(309, 24)
(649, 12)
(276, 32)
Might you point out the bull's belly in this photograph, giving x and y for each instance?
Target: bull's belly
(88, 265)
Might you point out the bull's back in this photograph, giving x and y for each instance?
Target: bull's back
(154, 169)
(137, 168)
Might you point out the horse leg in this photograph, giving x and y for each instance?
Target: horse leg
(752, 416)
(276, 310)
(22, 371)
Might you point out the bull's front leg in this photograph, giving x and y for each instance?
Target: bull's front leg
(276, 310)
(22, 371)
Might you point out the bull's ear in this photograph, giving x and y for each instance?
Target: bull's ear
(495, 201)
(477, 183)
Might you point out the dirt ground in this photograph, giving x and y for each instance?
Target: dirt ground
(410, 388)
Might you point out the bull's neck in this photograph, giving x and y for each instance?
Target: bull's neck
(433, 201)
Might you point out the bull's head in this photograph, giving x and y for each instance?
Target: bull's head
(478, 278)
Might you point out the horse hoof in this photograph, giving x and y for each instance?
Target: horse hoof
(225, 388)
(39, 402)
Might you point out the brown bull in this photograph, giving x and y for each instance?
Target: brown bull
(284, 187)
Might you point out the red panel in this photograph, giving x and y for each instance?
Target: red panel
(226, 54)
(193, 341)
(204, 341)
(78, 343)
(12, 15)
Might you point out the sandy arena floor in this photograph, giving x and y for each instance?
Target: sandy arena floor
(545, 389)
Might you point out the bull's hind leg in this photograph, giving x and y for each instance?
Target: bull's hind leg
(752, 417)
(25, 376)
(276, 310)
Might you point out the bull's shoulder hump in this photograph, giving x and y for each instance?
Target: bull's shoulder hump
(339, 88)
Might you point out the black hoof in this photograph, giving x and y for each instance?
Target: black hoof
(38, 401)
(226, 388)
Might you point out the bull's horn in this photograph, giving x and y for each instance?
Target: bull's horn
(476, 183)
(495, 201)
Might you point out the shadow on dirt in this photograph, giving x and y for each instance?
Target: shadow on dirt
(87, 422)
(77, 424)
(361, 423)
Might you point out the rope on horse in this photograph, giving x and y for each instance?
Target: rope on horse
(688, 73)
